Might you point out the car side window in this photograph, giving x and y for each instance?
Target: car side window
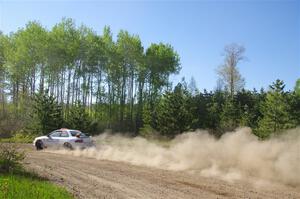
(75, 133)
(55, 134)
(64, 134)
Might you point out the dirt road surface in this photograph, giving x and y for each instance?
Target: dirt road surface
(91, 178)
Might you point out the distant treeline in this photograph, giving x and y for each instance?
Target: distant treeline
(70, 76)
(266, 112)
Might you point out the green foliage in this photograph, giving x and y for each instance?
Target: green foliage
(229, 115)
(148, 132)
(47, 113)
(247, 116)
(173, 116)
(10, 158)
(294, 103)
(248, 104)
(74, 63)
(79, 118)
(201, 106)
(162, 61)
(20, 186)
(214, 108)
(147, 115)
(297, 87)
(275, 110)
(123, 86)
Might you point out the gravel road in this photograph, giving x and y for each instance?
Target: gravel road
(91, 178)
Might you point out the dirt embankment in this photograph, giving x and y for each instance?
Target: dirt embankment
(91, 178)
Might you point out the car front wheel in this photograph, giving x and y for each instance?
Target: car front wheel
(39, 145)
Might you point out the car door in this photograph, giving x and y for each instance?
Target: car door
(63, 137)
(53, 139)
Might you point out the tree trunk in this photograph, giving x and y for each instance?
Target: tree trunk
(42, 77)
(68, 92)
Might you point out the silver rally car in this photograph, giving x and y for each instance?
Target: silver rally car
(66, 138)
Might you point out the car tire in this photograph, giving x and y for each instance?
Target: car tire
(39, 145)
(68, 146)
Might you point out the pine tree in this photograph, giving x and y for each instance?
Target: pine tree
(79, 118)
(214, 108)
(246, 116)
(47, 113)
(294, 102)
(275, 111)
(147, 129)
(173, 115)
(229, 115)
(245, 101)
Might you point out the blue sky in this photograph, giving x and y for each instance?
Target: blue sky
(198, 31)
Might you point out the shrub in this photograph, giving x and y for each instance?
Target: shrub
(19, 137)
(148, 132)
(22, 137)
(10, 158)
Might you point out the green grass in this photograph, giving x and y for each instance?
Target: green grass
(20, 186)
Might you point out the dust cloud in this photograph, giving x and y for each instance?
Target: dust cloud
(235, 156)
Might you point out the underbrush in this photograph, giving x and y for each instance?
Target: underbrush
(10, 158)
(19, 137)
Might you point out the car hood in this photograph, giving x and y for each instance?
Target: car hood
(41, 137)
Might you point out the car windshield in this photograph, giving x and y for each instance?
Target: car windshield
(77, 133)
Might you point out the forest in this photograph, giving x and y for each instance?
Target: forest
(72, 77)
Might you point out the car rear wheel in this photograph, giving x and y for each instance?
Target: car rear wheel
(68, 146)
(39, 145)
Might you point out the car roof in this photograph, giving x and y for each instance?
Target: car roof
(65, 129)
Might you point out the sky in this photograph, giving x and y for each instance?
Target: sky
(198, 31)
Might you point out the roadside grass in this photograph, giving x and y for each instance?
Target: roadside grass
(27, 185)
(17, 183)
